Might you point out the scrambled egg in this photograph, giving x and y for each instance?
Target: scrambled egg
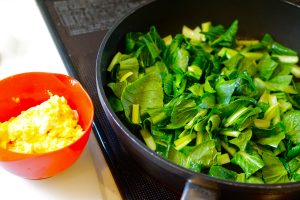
(46, 127)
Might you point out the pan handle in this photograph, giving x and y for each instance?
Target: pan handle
(192, 191)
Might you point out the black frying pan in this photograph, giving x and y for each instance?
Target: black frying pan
(256, 17)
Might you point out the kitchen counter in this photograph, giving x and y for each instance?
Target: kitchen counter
(79, 182)
(25, 48)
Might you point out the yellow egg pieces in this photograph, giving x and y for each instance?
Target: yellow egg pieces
(46, 127)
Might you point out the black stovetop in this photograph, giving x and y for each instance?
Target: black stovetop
(77, 27)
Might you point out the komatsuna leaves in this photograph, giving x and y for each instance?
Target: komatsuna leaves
(272, 140)
(266, 67)
(294, 100)
(151, 46)
(267, 40)
(248, 65)
(275, 47)
(234, 106)
(205, 154)
(117, 88)
(131, 41)
(129, 65)
(214, 32)
(143, 55)
(255, 180)
(222, 173)
(228, 38)
(146, 47)
(168, 84)
(280, 49)
(271, 131)
(282, 79)
(273, 171)
(292, 123)
(181, 60)
(177, 157)
(249, 162)
(156, 38)
(199, 101)
(225, 90)
(208, 100)
(242, 140)
(294, 165)
(247, 119)
(293, 152)
(233, 62)
(199, 57)
(115, 103)
(175, 56)
(147, 92)
(245, 85)
(188, 109)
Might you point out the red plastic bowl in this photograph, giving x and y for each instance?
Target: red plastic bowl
(32, 89)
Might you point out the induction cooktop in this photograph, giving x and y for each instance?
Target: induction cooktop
(77, 27)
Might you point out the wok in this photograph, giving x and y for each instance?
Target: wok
(256, 17)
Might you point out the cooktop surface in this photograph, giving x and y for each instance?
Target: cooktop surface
(77, 27)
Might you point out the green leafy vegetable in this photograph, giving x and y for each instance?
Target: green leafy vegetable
(212, 102)
(266, 66)
(205, 154)
(222, 173)
(249, 162)
(146, 91)
(242, 140)
(227, 39)
(273, 171)
(292, 122)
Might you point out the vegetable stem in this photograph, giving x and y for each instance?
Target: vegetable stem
(135, 114)
(287, 59)
(262, 123)
(247, 42)
(271, 112)
(125, 76)
(168, 39)
(223, 159)
(235, 116)
(296, 71)
(230, 150)
(159, 117)
(183, 141)
(206, 26)
(148, 139)
(114, 61)
(199, 138)
(231, 133)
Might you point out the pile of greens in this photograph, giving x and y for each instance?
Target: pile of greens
(211, 102)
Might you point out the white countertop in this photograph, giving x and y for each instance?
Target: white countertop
(26, 45)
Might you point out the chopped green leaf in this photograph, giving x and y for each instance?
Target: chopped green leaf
(273, 171)
(222, 173)
(249, 162)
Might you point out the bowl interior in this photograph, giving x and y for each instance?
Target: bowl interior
(32, 89)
